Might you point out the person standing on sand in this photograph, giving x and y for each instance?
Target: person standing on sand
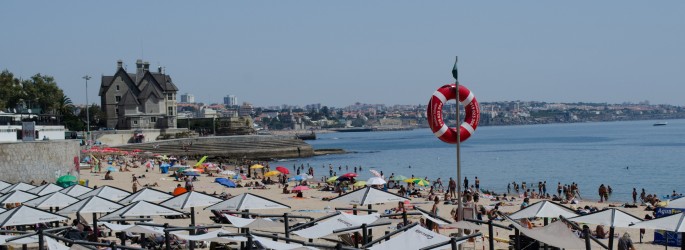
(602, 192)
(135, 183)
(634, 196)
(642, 195)
(477, 184)
(544, 187)
(559, 188)
(625, 243)
(466, 183)
(453, 187)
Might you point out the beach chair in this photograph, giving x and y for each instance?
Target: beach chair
(346, 239)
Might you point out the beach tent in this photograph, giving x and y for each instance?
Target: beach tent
(93, 204)
(340, 221)
(556, 234)
(19, 186)
(673, 223)
(107, 192)
(141, 208)
(211, 236)
(611, 217)
(415, 237)
(146, 194)
(45, 189)
(543, 209)
(4, 185)
(26, 215)
(134, 228)
(52, 244)
(677, 203)
(252, 223)
(55, 199)
(190, 199)
(367, 196)
(76, 190)
(225, 182)
(22, 241)
(266, 243)
(247, 201)
(375, 181)
(16, 196)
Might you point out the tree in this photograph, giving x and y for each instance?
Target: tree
(10, 90)
(43, 92)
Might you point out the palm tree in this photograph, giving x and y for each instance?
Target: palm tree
(64, 106)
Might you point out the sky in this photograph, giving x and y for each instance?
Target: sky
(340, 52)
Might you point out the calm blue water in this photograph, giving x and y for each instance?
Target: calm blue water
(587, 153)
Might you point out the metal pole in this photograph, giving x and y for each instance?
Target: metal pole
(586, 233)
(370, 234)
(611, 238)
(460, 207)
(546, 222)
(286, 224)
(41, 242)
(682, 241)
(167, 237)
(87, 77)
(365, 234)
(249, 240)
(453, 243)
(491, 239)
(192, 224)
(518, 239)
(404, 218)
(95, 227)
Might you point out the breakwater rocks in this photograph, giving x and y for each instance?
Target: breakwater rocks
(257, 147)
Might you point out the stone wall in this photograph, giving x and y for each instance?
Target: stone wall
(37, 161)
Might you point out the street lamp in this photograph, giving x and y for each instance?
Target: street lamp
(87, 77)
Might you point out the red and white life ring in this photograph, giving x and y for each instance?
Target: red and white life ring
(435, 119)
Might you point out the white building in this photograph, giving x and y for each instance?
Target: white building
(187, 98)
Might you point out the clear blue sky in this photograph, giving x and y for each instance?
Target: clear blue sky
(340, 52)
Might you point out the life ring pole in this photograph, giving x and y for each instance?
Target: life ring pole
(460, 207)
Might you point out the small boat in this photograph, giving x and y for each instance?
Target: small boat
(660, 124)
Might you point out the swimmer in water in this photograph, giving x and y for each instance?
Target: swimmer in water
(409, 166)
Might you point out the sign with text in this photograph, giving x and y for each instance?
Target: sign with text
(28, 131)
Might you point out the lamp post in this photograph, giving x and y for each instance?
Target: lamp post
(87, 77)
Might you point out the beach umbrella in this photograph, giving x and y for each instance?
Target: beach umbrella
(247, 201)
(94, 205)
(45, 189)
(76, 190)
(66, 180)
(112, 169)
(225, 182)
(350, 175)
(251, 223)
(191, 174)
(375, 173)
(19, 186)
(4, 185)
(267, 243)
(256, 166)
(141, 208)
(190, 200)
(300, 188)
(26, 215)
(140, 229)
(367, 196)
(611, 218)
(399, 178)
(179, 191)
(677, 203)
(107, 192)
(55, 199)
(212, 236)
(411, 180)
(673, 223)
(271, 173)
(375, 181)
(16, 196)
(193, 170)
(22, 241)
(146, 194)
(332, 179)
(283, 170)
(416, 237)
(340, 221)
(422, 182)
(227, 172)
(344, 178)
(360, 184)
(543, 209)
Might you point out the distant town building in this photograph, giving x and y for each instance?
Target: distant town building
(187, 98)
(231, 100)
(143, 99)
(245, 110)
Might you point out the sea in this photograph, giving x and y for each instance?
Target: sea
(623, 155)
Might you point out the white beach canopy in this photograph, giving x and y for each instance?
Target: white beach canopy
(611, 217)
(55, 199)
(16, 196)
(673, 223)
(141, 208)
(54, 245)
(190, 200)
(93, 204)
(26, 215)
(19, 186)
(543, 209)
(134, 228)
(252, 223)
(437, 220)
(340, 221)
(27, 240)
(556, 234)
(677, 203)
(415, 237)
(247, 201)
(267, 243)
(146, 194)
(45, 189)
(375, 181)
(4, 185)
(107, 192)
(367, 196)
(76, 190)
(211, 236)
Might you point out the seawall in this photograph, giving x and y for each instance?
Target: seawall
(37, 161)
(234, 147)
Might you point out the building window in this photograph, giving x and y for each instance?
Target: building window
(117, 98)
(135, 122)
(117, 87)
(170, 111)
(153, 119)
(116, 111)
(170, 97)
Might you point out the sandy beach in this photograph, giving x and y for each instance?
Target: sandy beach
(313, 205)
